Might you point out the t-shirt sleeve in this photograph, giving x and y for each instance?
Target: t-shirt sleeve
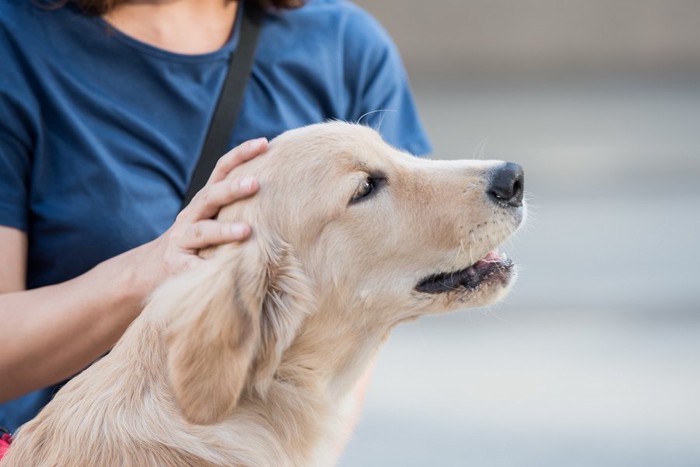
(377, 80)
(16, 136)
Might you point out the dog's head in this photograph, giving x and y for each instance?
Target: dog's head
(350, 237)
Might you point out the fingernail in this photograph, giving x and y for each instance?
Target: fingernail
(247, 183)
(257, 143)
(239, 230)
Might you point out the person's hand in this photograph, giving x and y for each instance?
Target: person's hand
(194, 228)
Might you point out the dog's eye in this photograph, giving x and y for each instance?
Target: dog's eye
(366, 188)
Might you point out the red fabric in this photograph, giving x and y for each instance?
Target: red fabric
(5, 441)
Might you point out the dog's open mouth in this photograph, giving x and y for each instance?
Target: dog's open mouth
(493, 266)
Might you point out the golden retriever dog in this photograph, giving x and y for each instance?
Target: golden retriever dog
(252, 358)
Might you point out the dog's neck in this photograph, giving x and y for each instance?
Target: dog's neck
(334, 357)
(324, 365)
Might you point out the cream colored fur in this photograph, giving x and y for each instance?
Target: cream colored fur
(252, 358)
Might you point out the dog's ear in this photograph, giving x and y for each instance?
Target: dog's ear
(288, 300)
(228, 323)
(213, 330)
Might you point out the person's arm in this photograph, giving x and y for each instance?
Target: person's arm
(50, 333)
(380, 92)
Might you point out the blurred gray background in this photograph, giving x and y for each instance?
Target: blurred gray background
(594, 358)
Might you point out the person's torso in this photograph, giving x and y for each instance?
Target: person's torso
(116, 125)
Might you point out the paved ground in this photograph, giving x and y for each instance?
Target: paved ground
(594, 359)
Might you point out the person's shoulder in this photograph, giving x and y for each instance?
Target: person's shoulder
(331, 6)
(26, 40)
(335, 12)
(341, 19)
(23, 20)
(10, 6)
(354, 14)
(17, 28)
(17, 13)
(10, 11)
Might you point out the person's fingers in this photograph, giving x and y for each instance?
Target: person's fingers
(214, 196)
(207, 233)
(236, 156)
(218, 191)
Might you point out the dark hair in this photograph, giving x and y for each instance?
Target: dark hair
(100, 7)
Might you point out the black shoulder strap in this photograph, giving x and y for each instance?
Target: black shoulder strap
(229, 104)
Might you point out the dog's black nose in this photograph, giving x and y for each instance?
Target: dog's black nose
(507, 185)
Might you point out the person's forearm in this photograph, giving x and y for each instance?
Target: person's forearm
(51, 333)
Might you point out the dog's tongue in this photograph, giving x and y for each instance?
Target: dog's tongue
(492, 256)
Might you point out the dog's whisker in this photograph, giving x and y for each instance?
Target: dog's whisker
(489, 310)
(459, 252)
(480, 148)
(372, 112)
(471, 254)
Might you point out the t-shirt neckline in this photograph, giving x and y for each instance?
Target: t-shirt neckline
(163, 54)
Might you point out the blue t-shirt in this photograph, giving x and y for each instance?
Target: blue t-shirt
(99, 133)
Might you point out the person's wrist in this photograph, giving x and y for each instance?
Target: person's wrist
(132, 284)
